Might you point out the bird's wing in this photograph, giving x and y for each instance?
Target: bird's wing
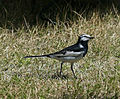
(74, 50)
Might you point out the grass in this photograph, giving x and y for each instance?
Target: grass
(98, 73)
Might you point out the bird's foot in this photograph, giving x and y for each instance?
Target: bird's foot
(62, 76)
(75, 77)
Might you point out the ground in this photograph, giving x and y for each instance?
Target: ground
(98, 72)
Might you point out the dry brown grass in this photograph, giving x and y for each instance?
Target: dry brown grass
(98, 73)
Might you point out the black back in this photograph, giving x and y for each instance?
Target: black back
(75, 48)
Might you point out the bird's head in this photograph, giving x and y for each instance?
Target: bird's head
(84, 38)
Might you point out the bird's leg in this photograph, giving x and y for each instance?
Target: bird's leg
(61, 68)
(73, 71)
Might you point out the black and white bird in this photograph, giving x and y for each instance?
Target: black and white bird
(70, 54)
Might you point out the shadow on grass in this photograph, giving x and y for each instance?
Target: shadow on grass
(58, 76)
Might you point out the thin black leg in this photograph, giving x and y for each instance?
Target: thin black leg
(61, 68)
(73, 70)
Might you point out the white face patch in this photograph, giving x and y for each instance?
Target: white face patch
(85, 39)
(86, 35)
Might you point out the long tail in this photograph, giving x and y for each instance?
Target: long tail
(36, 56)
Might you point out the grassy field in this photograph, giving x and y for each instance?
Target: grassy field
(98, 73)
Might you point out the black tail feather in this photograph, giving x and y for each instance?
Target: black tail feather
(36, 56)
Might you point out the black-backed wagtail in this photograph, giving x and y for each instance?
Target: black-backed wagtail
(72, 53)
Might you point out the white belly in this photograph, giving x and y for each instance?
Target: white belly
(68, 56)
(69, 59)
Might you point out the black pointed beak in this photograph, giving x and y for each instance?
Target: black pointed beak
(91, 37)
